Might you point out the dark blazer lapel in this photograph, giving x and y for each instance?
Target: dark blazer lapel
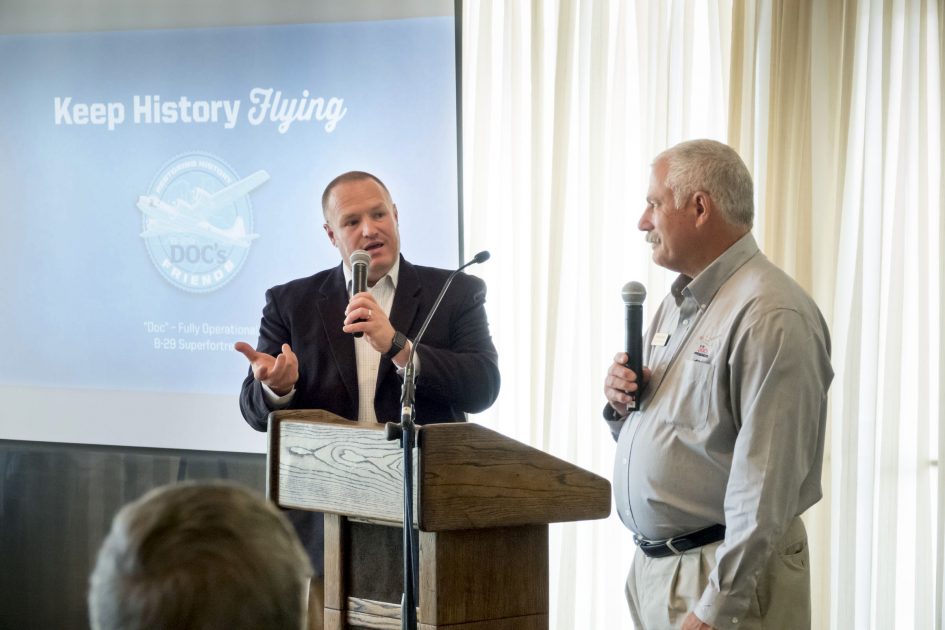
(332, 301)
(404, 310)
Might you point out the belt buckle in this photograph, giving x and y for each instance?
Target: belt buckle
(645, 543)
(669, 545)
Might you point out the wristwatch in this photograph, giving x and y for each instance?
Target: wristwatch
(397, 344)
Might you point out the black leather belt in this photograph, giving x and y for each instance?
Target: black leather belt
(679, 544)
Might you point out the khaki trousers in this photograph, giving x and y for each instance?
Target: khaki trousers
(662, 591)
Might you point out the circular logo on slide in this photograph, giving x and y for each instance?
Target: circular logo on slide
(198, 221)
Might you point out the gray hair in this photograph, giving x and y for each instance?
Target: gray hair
(200, 555)
(714, 168)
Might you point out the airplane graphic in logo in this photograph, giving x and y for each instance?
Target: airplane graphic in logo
(193, 219)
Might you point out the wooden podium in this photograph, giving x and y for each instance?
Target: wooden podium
(482, 507)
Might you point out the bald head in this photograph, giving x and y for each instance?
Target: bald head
(345, 178)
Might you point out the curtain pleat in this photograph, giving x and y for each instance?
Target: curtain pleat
(836, 109)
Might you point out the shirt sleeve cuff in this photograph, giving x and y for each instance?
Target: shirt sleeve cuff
(274, 400)
(614, 420)
(416, 362)
(721, 612)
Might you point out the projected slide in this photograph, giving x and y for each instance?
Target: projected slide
(155, 183)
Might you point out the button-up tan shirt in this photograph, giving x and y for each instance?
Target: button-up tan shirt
(731, 424)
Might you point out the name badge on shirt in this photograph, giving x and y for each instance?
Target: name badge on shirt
(660, 339)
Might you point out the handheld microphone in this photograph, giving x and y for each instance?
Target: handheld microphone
(633, 294)
(360, 260)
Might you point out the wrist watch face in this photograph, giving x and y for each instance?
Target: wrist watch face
(397, 344)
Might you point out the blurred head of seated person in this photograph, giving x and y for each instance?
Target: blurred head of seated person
(200, 555)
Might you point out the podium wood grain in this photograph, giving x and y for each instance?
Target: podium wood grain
(483, 507)
(474, 478)
(483, 575)
(328, 464)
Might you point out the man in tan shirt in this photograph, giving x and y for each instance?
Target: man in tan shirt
(726, 450)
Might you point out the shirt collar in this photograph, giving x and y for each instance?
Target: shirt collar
(704, 286)
(393, 274)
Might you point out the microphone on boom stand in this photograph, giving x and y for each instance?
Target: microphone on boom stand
(406, 432)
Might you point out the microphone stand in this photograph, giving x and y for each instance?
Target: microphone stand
(406, 432)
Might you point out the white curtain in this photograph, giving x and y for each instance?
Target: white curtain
(564, 105)
(836, 108)
(886, 512)
(848, 163)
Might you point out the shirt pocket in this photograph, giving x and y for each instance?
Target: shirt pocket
(689, 404)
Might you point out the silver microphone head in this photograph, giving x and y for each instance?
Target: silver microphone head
(633, 294)
(359, 256)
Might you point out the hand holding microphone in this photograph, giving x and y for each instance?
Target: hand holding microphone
(626, 375)
(364, 317)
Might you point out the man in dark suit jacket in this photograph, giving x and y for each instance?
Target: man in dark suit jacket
(458, 375)
(307, 357)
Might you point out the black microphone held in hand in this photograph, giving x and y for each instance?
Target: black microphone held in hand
(360, 260)
(633, 294)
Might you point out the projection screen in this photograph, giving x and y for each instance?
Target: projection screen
(162, 166)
